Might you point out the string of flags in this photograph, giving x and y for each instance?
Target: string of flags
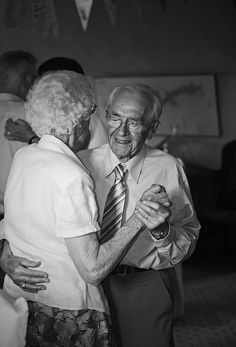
(84, 9)
(44, 15)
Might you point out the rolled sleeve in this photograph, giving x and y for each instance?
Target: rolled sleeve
(77, 213)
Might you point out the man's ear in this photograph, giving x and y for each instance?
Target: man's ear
(153, 130)
(23, 84)
(27, 80)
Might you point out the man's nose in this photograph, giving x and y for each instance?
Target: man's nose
(124, 128)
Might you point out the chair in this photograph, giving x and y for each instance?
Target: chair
(13, 321)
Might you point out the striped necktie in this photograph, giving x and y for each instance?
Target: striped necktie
(114, 206)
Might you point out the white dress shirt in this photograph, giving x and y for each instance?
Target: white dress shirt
(149, 166)
(50, 197)
(11, 106)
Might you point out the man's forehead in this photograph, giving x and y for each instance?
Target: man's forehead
(128, 101)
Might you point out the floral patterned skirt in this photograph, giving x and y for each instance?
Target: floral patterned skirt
(54, 327)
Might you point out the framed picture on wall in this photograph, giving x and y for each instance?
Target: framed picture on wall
(189, 102)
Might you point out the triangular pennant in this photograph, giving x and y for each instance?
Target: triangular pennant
(84, 8)
(51, 22)
(44, 17)
(39, 8)
(111, 6)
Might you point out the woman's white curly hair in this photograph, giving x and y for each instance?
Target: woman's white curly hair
(58, 101)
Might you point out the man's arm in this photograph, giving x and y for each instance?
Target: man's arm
(95, 261)
(184, 227)
(20, 130)
(22, 270)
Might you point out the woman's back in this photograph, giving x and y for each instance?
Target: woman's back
(46, 201)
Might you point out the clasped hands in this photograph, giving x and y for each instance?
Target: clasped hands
(153, 207)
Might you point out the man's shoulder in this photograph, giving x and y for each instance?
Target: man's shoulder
(152, 152)
(155, 156)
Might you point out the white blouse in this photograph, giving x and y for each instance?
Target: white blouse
(50, 197)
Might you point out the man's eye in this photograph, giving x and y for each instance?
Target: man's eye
(134, 124)
(116, 120)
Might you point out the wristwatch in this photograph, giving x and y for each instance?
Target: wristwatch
(33, 139)
(162, 232)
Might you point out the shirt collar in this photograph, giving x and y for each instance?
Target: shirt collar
(56, 144)
(10, 97)
(134, 165)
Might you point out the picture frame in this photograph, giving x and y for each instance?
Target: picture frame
(189, 102)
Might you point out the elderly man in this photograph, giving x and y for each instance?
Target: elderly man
(139, 290)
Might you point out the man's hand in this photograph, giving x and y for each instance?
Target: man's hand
(19, 270)
(158, 194)
(151, 213)
(18, 130)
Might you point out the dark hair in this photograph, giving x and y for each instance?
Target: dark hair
(60, 63)
(12, 58)
(16, 61)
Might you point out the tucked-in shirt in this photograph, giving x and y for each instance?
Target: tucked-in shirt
(149, 166)
(11, 106)
(49, 197)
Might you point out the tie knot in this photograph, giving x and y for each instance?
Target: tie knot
(120, 171)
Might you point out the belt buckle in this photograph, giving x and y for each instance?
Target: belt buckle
(122, 270)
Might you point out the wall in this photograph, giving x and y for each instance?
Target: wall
(187, 37)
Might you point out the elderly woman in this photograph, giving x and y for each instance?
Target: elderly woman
(51, 216)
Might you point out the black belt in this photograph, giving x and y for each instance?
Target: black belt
(126, 269)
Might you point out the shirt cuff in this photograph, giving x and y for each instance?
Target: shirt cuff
(165, 240)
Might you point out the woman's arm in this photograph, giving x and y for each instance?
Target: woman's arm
(94, 261)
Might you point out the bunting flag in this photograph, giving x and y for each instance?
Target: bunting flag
(44, 15)
(15, 12)
(111, 6)
(51, 23)
(39, 8)
(84, 8)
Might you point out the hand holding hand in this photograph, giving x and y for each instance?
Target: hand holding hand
(158, 194)
(151, 213)
(18, 130)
